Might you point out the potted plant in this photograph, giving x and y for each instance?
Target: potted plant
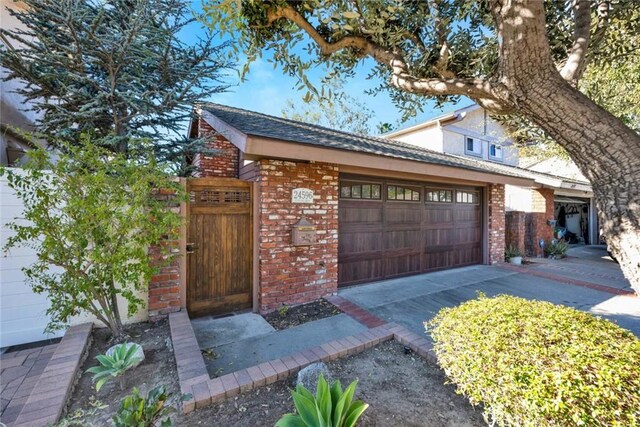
(513, 255)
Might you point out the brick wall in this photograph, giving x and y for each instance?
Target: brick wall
(224, 163)
(296, 274)
(164, 287)
(542, 207)
(515, 230)
(496, 223)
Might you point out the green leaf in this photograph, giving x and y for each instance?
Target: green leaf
(355, 412)
(351, 14)
(291, 420)
(307, 409)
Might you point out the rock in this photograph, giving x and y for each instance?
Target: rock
(139, 353)
(310, 375)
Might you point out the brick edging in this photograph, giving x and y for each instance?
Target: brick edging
(51, 392)
(355, 311)
(194, 379)
(567, 280)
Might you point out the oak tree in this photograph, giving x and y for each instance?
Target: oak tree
(521, 57)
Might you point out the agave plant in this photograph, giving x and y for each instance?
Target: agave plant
(330, 407)
(124, 357)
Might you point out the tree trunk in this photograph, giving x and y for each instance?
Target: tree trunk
(606, 151)
(608, 154)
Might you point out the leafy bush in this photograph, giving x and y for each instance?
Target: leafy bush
(124, 358)
(330, 407)
(93, 215)
(533, 363)
(136, 411)
(556, 249)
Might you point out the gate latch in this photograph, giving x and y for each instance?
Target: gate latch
(191, 248)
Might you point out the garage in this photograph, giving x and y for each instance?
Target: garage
(390, 228)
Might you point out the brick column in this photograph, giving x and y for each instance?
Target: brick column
(224, 163)
(542, 209)
(296, 274)
(515, 230)
(496, 223)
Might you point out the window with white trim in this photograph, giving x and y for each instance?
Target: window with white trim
(495, 151)
(473, 146)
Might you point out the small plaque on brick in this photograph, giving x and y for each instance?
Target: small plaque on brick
(302, 195)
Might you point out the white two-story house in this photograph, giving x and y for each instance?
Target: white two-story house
(561, 194)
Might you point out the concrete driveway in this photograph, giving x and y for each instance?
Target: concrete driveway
(598, 287)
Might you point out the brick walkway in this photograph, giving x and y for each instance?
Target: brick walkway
(19, 372)
(36, 383)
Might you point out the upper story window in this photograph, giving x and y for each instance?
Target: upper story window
(360, 191)
(396, 192)
(473, 146)
(495, 151)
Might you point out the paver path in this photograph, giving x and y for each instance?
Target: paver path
(19, 372)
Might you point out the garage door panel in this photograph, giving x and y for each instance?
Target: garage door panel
(399, 239)
(403, 265)
(467, 235)
(439, 237)
(403, 213)
(468, 254)
(401, 234)
(360, 213)
(360, 242)
(351, 273)
(437, 260)
(438, 215)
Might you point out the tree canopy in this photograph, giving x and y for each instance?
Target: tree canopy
(512, 57)
(114, 69)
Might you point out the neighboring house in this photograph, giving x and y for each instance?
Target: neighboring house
(316, 209)
(471, 132)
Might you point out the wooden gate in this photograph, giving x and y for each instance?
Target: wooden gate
(219, 247)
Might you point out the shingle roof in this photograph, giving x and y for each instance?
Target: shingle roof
(258, 124)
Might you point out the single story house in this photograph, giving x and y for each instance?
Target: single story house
(287, 212)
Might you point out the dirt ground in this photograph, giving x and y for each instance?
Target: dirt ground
(88, 408)
(402, 390)
(299, 314)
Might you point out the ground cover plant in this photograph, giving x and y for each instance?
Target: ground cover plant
(90, 216)
(533, 363)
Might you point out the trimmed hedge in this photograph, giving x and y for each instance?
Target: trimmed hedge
(533, 363)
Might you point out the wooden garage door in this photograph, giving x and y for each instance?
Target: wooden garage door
(389, 229)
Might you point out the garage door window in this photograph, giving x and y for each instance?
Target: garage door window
(360, 191)
(396, 192)
(470, 197)
(439, 196)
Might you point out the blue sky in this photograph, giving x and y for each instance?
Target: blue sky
(266, 89)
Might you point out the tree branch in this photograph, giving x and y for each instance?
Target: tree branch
(577, 58)
(401, 75)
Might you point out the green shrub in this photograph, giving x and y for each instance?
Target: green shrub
(533, 363)
(137, 411)
(330, 407)
(556, 249)
(511, 252)
(114, 366)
